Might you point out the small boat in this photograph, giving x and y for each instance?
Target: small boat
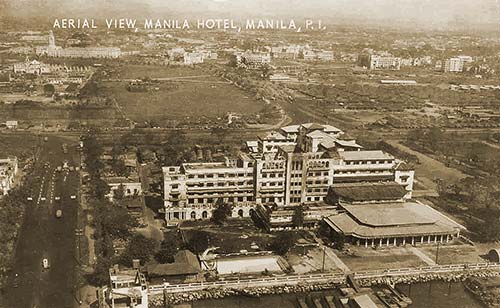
(400, 295)
(386, 299)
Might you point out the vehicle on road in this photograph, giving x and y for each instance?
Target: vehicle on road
(29, 199)
(15, 282)
(43, 198)
(65, 148)
(57, 198)
(58, 213)
(73, 197)
(45, 263)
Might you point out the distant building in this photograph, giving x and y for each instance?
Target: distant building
(191, 58)
(325, 55)
(8, 171)
(31, 67)
(398, 82)
(253, 60)
(176, 54)
(456, 64)
(76, 52)
(279, 77)
(11, 124)
(374, 62)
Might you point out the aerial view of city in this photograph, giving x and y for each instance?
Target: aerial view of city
(266, 153)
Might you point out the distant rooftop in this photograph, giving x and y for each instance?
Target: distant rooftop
(365, 155)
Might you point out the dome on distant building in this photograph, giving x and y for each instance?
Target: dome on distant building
(494, 255)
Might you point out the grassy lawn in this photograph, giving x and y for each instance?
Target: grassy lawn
(237, 235)
(360, 258)
(358, 263)
(455, 254)
(188, 98)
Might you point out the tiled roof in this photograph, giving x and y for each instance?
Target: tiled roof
(186, 263)
(369, 191)
(389, 220)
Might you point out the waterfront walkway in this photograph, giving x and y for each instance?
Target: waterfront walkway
(422, 256)
(333, 277)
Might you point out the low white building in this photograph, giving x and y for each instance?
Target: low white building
(8, 171)
(127, 289)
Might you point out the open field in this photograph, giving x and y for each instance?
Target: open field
(20, 146)
(193, 95)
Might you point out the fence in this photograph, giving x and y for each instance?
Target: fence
(334, 277)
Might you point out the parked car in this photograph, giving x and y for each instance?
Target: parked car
(58, 213)
(45, 263)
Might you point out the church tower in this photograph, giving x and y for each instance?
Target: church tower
(52, 40)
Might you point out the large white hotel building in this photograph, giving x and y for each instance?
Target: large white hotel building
(294, 165)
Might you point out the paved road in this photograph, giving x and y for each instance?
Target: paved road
(45, 236)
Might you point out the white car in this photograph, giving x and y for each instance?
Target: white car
(57, 198)
(58, 213)
(45, 263)
(29, 199)
(43, 198)
(73, 197)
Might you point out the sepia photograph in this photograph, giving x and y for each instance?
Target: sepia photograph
(249, 153)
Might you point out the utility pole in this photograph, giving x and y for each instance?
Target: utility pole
(324, 252)
(437, 252)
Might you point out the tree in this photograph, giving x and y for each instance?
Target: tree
(119, 167)
(298, 217)
(338, 240)
(168, 247)
(265, 71)
(139, 247)
(49, 89)
(98, 187)
(219, 134)
(221, 213)
(282, 243)
(117, 222)
(119, 193)
(198, 241)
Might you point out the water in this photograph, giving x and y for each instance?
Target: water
(435, 294)
(440, 295)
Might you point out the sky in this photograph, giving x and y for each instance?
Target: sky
(419, 12)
